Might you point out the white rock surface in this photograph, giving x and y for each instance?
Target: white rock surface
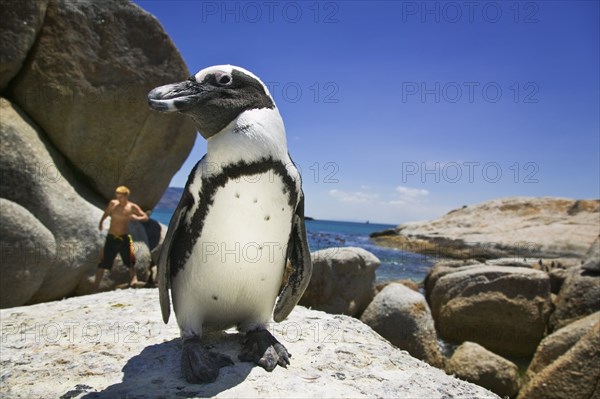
(525, 227)
(114, 345)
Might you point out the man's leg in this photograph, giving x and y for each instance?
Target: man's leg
(98, 279)
(132, 276)
(128, 255)
(109, 252)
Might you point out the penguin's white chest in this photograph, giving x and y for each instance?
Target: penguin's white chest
(236, 267)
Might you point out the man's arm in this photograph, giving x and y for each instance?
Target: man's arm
(109, 208)
(138, 214)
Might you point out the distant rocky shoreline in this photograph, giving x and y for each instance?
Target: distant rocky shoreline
(516, 227)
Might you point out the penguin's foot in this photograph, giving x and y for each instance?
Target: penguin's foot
(200, 365)
(262, 348)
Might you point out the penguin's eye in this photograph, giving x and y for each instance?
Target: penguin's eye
(224, 80)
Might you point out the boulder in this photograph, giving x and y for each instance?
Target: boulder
(85, 83)
(591, 263)
(115, 345)
(406, 282)
(442, 268)
(474, 363)
(35, 176)
(573, 375)
(503, 308)
(402, 316)
(342, 280)
(518, 227)
(20, 23)
(25, 246)
(558, 343)
(578, 297)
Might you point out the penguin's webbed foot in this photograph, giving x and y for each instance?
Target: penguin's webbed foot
(200, 365)
(262, 348)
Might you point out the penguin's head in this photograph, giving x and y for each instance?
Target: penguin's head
(213, 97)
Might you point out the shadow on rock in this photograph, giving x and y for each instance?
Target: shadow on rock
(155, 373)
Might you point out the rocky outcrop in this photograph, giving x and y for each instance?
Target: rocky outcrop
(114, 345)
(573, 375)
(342, 280)
(441, 268)
(521, 227)
(25, 247)
(74, 77)
(36, 177)
(503, 308)
(20, 22)
(474, 363)
(402, 316)
(578, 297)
(558, 343)
(85, 84)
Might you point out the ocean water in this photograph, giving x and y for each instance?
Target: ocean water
(395, 264)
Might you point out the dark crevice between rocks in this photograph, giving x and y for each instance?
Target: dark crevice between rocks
(7, 93)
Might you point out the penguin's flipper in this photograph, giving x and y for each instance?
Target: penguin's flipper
(299, 256)
(164, 269)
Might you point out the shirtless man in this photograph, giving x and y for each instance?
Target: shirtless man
(118, 239)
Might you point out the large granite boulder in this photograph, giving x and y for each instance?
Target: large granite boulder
(474, 363)
(85, 83)
(443, 267)
(573, 375)
(25, 246)
(402, 316)
(519, 227)
(35, 176)
(20, 23)
(342, 280)
(115, 345)
(503, 308)
(59, 216)
(558, 343)
(578, 297)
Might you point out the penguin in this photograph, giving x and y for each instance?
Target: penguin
(238, 225)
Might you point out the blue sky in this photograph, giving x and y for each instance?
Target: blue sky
(400, 111)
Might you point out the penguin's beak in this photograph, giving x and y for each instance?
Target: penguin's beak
(176, 97)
